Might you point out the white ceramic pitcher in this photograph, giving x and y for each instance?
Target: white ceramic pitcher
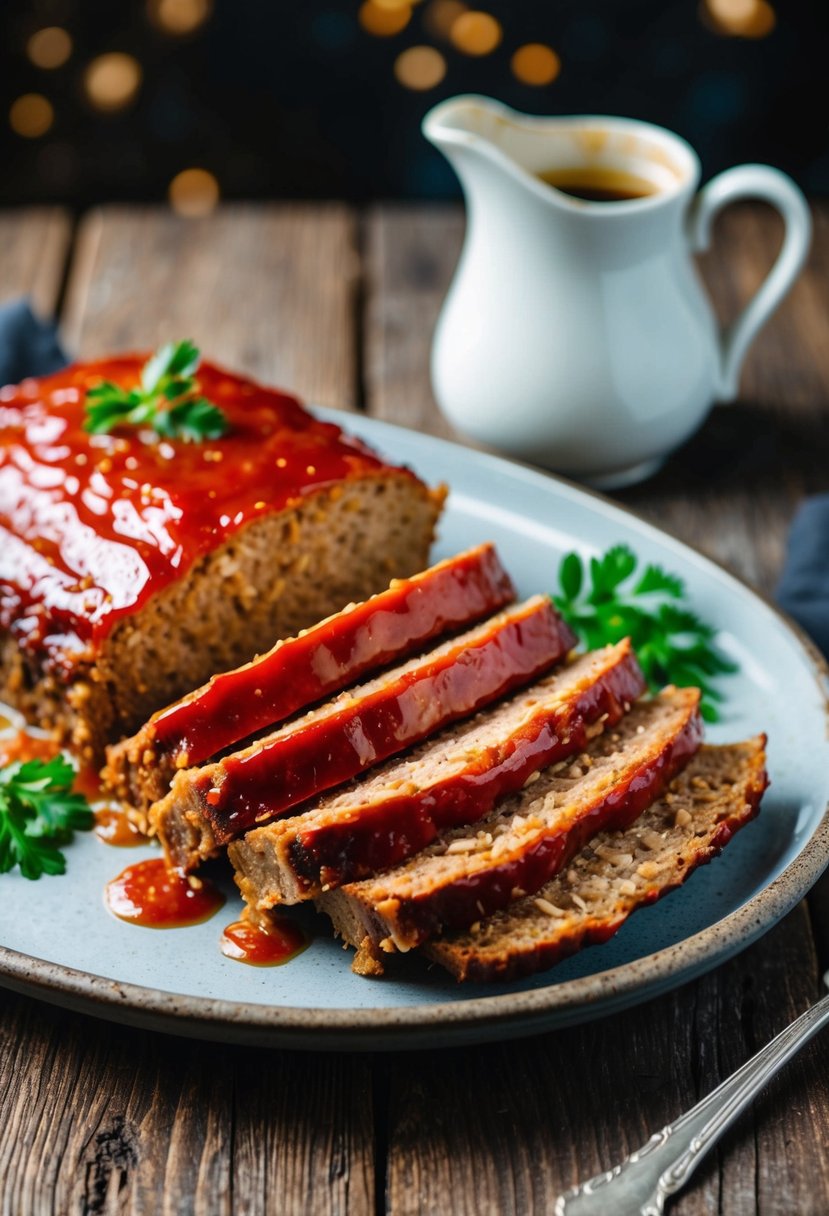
(576, 334)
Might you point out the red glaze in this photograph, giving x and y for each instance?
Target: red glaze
(333, 654)
(151, 894)
(379, 835)
(303, 760)
(92, 525)
(245, 942)
(459, 903)
(113, 826)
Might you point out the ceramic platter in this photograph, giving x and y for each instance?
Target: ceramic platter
(59, 943)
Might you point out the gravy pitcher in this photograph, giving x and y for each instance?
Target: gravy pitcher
(576, 333)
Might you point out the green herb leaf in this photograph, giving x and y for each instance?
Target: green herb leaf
(169, 399)
(673, 645)
(38, 813)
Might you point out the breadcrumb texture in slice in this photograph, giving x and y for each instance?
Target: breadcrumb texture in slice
(716, 795)
(468, 873)
(455, 777)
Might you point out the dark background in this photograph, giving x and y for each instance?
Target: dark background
(276, 98)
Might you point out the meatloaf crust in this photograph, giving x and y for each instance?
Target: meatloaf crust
(132, 568)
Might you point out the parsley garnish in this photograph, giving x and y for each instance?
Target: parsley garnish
(39, 812)
(671, 642)
(169, 399)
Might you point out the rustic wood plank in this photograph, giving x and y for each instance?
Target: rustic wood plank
(268, 290)
(411, 252)
(34, 246)
(502, 1129)
(97, 1118)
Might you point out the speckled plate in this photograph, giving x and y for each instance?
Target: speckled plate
(60, 943)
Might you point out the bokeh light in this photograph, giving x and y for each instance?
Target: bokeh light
(112, 80)
(31, 115)
(420, 67)
(179, 16)
(383, 21)
(440, 15)
(193, 193)
(50, 47)
(740, 18)
(476, 33)
(534, 63)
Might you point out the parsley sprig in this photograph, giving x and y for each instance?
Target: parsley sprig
(673, 645)
(168, 400)
(38, 813)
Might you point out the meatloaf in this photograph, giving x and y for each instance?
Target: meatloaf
(209, 806)
(134, 567)
(617, 872)
(468, 874)
(299, 671)
(457, 777)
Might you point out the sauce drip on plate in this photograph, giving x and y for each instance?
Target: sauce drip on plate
(149, 893)
(113, 826)
(260, 947)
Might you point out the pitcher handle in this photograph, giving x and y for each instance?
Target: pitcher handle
(753, 181)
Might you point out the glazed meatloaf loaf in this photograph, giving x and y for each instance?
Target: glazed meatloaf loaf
(133, 567)
(299, 671)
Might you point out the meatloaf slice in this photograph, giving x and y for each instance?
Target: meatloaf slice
(133, 567)
(617, 872)
(208, 807)
(454, 778)
(301, 670)
(519, 846)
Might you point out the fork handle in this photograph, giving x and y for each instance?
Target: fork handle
(639, 1185)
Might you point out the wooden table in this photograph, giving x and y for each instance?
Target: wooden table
(95, 1118)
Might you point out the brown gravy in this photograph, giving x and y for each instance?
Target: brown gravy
(598, 184)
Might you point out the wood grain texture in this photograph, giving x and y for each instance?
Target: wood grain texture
(34, 245)
(267, 290)
(100, 1119)
(410, 254)
(501, 1130)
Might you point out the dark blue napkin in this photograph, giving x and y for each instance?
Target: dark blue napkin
(803, 590)
(28, 345)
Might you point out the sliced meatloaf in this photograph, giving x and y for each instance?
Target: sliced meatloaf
(617, 872)
(134, 567)
(299, 671)
(457, 777)
(208, 807)
(520, 845)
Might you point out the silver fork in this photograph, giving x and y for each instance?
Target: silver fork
(640, 1184)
